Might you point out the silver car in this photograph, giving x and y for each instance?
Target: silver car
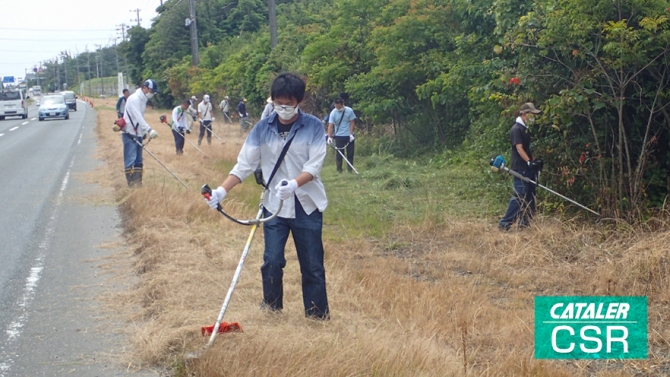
(53, 106)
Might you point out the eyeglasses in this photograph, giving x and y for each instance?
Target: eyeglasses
(284, 108)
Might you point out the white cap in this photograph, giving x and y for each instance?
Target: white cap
(206, 97)
(193, 98)
(269, 100)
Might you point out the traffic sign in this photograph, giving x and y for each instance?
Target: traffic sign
(8, 80)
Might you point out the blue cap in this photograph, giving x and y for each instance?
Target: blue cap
(152, 84)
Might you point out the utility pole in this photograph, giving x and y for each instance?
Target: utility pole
(65, 64)
(76, 61)
(122, 29)
(272, 9)
(88, 55)
(102, 73)
(138, 19)
(195, 57)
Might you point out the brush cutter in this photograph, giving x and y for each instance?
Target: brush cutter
(144, 146)
(219, 326)
(498, 164)
(164, 120)
(339, 150)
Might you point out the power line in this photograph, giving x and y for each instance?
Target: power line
(52, 30)
(52, 40)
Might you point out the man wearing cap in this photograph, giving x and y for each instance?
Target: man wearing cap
(242, 111)
(269, 108)
(135, 131)
(522, 204)
(205, 118)
(225, 108)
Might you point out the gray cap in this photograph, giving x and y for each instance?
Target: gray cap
(528, 107)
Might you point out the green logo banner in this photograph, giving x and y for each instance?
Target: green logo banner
(590, 327)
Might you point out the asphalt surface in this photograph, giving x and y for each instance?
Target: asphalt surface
(52, 229)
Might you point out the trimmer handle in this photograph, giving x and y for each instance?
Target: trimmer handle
(206, 191)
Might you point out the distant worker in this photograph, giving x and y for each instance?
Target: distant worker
(121, 103)
(205, 118)
(269, 108)
(341, 123)
(192, 111)
(135, 130)
(180, 125)
(242, 111)
(522, 204)
(225, 109)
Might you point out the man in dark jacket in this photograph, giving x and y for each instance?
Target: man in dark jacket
(244, 117)
(121, 103)
(522, 204)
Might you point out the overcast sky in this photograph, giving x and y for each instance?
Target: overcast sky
(36, 30)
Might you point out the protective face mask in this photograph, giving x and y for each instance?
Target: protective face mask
(286, 114)
(149, 95)
(340, 110)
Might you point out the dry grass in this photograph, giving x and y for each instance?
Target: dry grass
(404, 305)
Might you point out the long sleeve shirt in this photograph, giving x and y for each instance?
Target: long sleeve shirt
(136, 105)
(242, 109)
(224, 105)
(179, 119)
(121, 105)
(306, 154)
(269, 108)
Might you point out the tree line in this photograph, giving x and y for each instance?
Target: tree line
(434, 76)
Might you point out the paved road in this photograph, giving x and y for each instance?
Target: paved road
(51, 323)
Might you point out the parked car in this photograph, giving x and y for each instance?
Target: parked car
(12, 103)
(53, 106)
(70, 99)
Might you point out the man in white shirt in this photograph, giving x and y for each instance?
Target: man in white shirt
(304, 195)
(180, 125)
(225, 108)
(341, 123)
(135, 130)
(205, 118)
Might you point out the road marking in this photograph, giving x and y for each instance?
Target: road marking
(12, 129)
(80, 135)
(24, 123)
(14, 329)
(33, 118)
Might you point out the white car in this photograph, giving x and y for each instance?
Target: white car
(13, 104)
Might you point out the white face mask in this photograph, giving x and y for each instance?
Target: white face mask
(149, 95)
(286, 112)
(341, 110)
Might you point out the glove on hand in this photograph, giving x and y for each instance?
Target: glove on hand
(213, 119)
(217, 197)
(351, 138)
(287, 191)
(188, 132)
(536, 165)
(329, 141)
(153, 134)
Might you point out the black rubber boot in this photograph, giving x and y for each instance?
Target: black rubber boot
(129, 176)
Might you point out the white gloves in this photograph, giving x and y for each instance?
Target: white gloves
(153, 134)
(200, 120)
(216, 198)
(213, 119)
(286, 192)
(351, 138)
(329, 141)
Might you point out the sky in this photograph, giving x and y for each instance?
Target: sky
(37, 30)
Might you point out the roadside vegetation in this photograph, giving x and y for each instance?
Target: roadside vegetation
(420, 280)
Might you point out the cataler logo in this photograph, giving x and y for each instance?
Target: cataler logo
(590, 327)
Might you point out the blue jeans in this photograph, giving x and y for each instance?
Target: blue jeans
(522, 204)
(132, 152)
(306, 230)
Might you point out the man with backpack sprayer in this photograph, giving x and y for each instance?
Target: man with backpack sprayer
(299, 137)
(205, 118)
(343, 120)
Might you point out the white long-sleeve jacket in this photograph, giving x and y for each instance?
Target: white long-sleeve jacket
(136, 105)
(179, 119)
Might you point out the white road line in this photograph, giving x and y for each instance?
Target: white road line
(33, 118)
(12, 129)
(14, 329)
(24, 123)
